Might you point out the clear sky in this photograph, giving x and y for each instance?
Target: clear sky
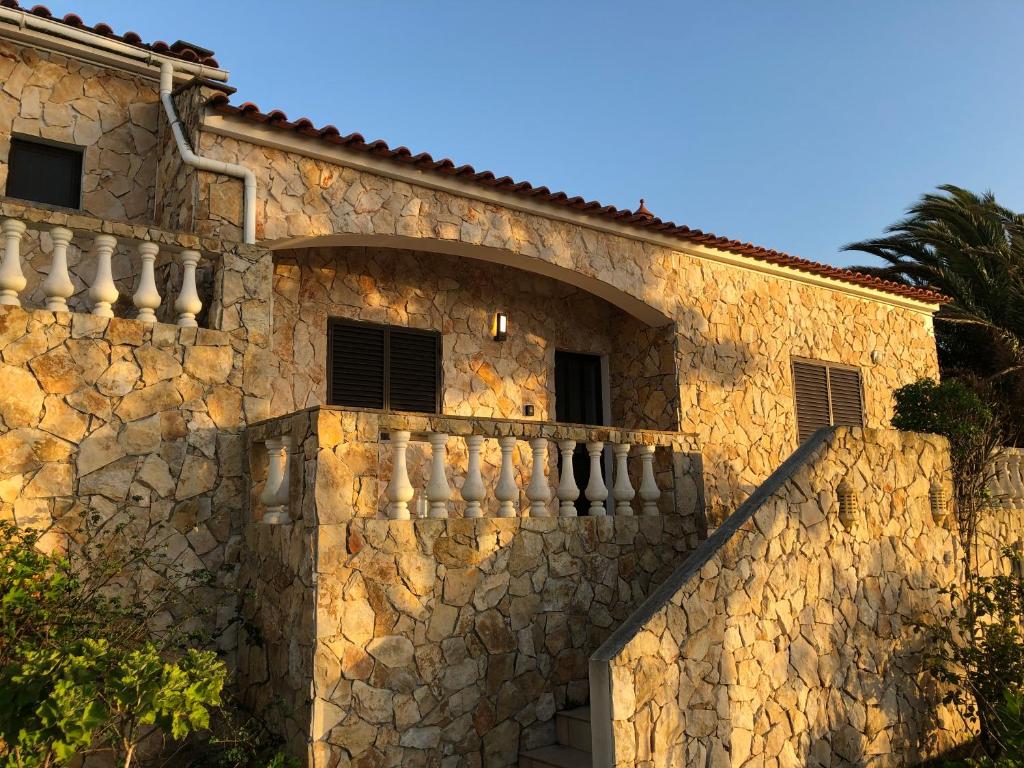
(796, 125)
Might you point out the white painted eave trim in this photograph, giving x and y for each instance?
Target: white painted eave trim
(35, 31)
(262, 135)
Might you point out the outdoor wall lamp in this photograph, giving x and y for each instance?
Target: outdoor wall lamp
(499, 326)
(938, 502)
(848, 507)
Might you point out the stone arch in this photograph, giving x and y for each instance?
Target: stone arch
(627, 302)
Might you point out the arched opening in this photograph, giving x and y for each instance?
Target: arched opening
(641, 310)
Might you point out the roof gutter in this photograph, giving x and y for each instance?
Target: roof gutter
(80, 41)
(204, 163)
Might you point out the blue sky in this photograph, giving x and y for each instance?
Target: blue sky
(795, 125)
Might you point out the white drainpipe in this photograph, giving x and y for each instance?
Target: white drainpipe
(204, 163)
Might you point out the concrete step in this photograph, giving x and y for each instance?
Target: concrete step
(573, 728)
(557, 756)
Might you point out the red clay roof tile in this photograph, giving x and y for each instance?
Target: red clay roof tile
(642, 218)
(179, 50)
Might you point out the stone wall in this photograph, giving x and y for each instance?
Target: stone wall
(113, 115)
(431, 639)
(121, 421)
(737, 329)
(458, 297)
(786, 638)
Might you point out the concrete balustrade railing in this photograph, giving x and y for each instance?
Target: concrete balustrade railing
(1006, 486)
(400, 491)
(102, 291)
(346, 463)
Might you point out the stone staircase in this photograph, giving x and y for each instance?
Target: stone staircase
(573, 748)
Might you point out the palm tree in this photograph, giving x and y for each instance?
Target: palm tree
(971, 249)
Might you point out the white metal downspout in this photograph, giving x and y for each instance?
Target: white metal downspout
(205, 163)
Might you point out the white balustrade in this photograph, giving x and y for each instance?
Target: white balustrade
(473, 491)
(622, 490)
(103, 292)
(12, 280)
(999, 487)
(596, 490)
(437, 490)
(147, 297)
(57, 287)
(276, 489)
(649, 493)
(188, 304)
(567, 490)
(506, 491)
(399, 490)
(434, 499)
(538, 491)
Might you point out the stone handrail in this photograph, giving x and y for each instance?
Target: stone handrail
(794, 593)
(1006, 486)
(395, 432)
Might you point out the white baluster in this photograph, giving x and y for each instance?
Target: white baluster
(399, 490)
(538, 491)
(275, 490)
(506, 491)
(622, 491)
(12, 280)
(147, 297)
(567, 489)
(188, 304)
(57, 286)
(1016, 481)
(596, 490)
(1000, 485)
(473, 491)
(103, 292)
(437, 490)
(649, 493)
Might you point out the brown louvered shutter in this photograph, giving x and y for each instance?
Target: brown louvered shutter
(414, 358)
(356, 364)
(810, 384)
(845, 392)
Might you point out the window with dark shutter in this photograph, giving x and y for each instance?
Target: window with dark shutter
(44, 173)
(826, 395)
(844, 394)
(383, 367)
(810, 384)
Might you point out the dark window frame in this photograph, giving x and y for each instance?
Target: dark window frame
(54, 148)
(333, 322)
(829, 367)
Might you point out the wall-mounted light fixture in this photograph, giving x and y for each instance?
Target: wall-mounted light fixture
(938, 502)
(499, 326)
(848, 507)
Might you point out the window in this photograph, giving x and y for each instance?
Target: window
(45, 173)
(383, 366)
(826, 395)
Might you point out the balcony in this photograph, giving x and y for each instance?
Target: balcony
(62, 261)
(329, 465)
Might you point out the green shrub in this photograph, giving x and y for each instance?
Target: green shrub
(79, 673)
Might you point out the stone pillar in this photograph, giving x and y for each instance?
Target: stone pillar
(103, 292)
(437, 490)
(506, 492)
(147, 297)
(649, 493)
(596, 490)
(473, 491)
(567, 489)
(399, 490)
(188, 304)
(538, 491)
(622, 491)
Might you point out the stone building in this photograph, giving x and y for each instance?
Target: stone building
(453, 435)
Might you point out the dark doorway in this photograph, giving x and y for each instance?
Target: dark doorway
(579, 400)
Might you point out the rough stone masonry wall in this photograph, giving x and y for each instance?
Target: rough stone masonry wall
(114, 116)
(123, 420)
(434, 641)
(456, 297)
(737, 329)
(786, 639)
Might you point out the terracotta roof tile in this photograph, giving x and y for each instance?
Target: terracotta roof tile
(641, 219)
(178, 50)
